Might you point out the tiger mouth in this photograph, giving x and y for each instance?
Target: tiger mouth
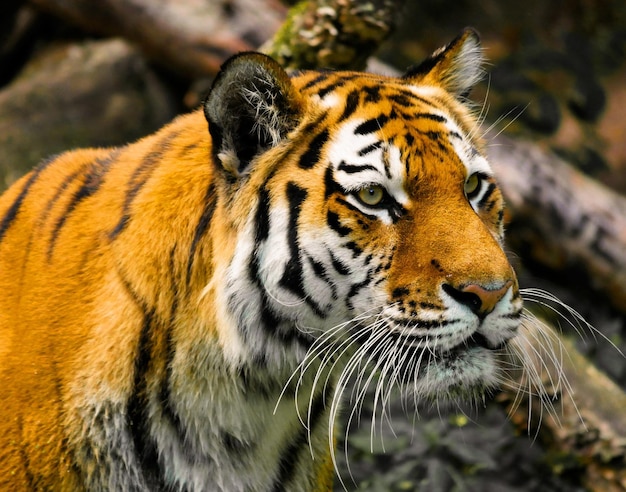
(478, 340)
(457, 359)
(475, 341)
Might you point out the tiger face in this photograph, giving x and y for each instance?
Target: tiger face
(375, 233)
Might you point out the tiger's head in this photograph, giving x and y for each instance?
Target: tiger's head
(365, 223)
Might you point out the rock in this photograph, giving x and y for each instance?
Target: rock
(92, 94)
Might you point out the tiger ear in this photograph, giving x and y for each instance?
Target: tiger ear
(251, 107)
(456, 67)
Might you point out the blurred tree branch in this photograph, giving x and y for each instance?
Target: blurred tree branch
(562, 218)
(191, 37)
(341, 34)
(580, 420)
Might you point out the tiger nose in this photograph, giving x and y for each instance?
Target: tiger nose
(479, 299)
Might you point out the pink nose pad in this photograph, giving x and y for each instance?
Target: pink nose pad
(479, 299)
(488, 297)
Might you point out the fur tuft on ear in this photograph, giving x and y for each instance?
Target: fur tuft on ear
(456, 67)
(252, 105)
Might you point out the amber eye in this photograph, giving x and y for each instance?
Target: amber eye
(472, 185)
(371, 195)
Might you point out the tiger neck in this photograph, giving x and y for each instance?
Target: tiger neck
(244, 427)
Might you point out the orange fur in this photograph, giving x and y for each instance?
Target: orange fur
(120, 314)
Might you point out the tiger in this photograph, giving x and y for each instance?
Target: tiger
(185, 312)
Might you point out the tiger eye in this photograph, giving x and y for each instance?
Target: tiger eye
(472, 184)
(371, 195)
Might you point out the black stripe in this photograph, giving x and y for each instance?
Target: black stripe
(298, 446)
(404, 115)
(210, 198)
(329, 88)
(355, 168)
(311, 127)
(332, 219)
(430, 116)
(490, 189)
(235, 446)
(13, 210)
(400, 292)
(372, 125)
(355, 288)
(269, 320)
(140, 176)
(312, 154)
(319, 269)
(338, 80)
(513, 315)
(415, 152)
(352, 246)
(91, 184)
(262, 217)
(432, 135)
(419, 99)
(320, 78)
(137, 406)
(352, 102)
(59, 192)
(293, 276)
(370, 148)
(402, 99)
(340, 267)
(330, 185)
(372, 93)
(489, 206)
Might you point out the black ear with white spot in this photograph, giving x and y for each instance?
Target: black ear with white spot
(252, 105)
(456, 67)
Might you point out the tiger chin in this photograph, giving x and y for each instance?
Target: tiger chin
(185, 312)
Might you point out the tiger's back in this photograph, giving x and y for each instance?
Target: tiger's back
(158, 298)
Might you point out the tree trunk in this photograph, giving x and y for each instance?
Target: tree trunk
(585, 430)
(192, 37)
(562, 218)
(39, 116)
